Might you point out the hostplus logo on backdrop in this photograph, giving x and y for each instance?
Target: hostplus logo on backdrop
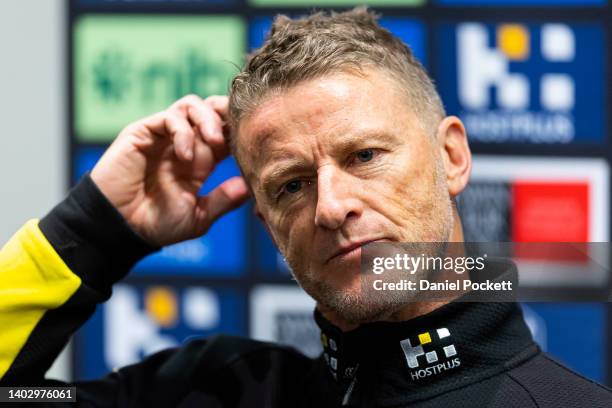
(525, 83)
(430, 353)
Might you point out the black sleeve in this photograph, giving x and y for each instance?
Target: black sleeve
(92, 237)
(98, 246)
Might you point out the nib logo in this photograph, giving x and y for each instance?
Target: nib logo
(111, 75)
(426, 356)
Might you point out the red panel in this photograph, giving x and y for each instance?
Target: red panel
(550, 212)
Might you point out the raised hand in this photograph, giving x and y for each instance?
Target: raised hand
(154, 169)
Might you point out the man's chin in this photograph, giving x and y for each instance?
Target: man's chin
(355, 311)
(349, 295)
(352, 304)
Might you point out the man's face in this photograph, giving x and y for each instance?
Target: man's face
(335, 163)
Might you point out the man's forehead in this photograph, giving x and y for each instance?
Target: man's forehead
(323, 106)
(305, 106)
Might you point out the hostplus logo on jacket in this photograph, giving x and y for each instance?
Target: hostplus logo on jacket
(431, 353)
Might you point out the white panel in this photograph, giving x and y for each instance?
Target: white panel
(32, 105)
(33, 141)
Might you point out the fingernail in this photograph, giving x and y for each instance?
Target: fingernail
(212, 132)
(215, 133)
(188, 153)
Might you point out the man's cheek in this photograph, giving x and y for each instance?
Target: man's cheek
(291, 239)
(392, 197)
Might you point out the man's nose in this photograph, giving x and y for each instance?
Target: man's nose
(336, 198)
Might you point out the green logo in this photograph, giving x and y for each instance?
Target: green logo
(130, 67)
(111, 78)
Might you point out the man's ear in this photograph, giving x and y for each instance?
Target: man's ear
(456, 154)
(259, 215)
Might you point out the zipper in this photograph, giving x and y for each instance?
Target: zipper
(349, 391)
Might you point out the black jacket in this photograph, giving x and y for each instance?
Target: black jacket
(464, 354)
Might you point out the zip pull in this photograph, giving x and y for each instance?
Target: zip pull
(349, 390)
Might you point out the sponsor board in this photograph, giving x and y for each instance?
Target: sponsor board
(221, 252)
(128, 67)
(573, 333)
(524, 82)
(284, 314)
(268, 259)
(533, 199)
(411, 31)
(139, 320)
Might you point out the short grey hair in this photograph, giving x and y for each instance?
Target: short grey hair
(321, 43)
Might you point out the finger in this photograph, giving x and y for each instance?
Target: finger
(183, 136)
(206, 115)
(220, 103)
(209, 123)
(186, 101)
(225, 197)
(171, 123)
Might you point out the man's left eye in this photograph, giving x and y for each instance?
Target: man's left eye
(365, 155)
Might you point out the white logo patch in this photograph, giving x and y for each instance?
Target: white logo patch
(430, 356)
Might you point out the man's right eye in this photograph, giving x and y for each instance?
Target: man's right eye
(293, 186)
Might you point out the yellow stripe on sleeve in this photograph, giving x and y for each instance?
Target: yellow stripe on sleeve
(33, 279)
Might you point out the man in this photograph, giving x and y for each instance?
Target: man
(342, 141)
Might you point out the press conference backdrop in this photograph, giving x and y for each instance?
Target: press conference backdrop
(529, 78)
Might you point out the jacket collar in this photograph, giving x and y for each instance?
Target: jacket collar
(457, 344)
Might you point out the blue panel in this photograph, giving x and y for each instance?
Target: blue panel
(411, 31)
(140, 320)
(520, 2)
(535, 89)
(572, 333)
(267, 258)
(84, 160)
(258, 29)
(221, 252)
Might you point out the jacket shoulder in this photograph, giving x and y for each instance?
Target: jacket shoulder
(200, 369)
(551, 384)
(206, 357)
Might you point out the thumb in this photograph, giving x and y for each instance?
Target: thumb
(225, 197)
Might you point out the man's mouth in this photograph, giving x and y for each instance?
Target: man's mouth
(347, 252)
